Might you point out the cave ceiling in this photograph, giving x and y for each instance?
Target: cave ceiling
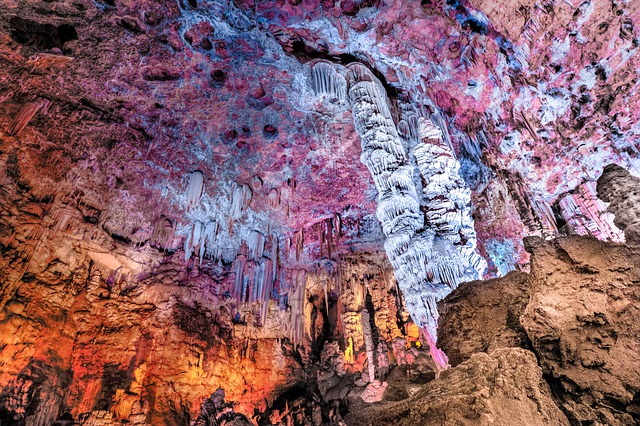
(117, 103)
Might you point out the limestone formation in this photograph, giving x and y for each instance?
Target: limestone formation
(505, 388)
(621, 190)
(577, 311)
(183, 209)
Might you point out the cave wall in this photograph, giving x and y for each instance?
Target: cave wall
(181, 209)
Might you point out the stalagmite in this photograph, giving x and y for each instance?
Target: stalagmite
(375, 389)
(368, 342)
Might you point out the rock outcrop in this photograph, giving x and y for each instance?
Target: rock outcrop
(466, 329)
(503, 388)
(582, 319)
(578, 310)
(622, 190)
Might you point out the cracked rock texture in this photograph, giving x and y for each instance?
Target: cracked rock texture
(464, 329)
(503, 388)
(580, 311)
(622, 190)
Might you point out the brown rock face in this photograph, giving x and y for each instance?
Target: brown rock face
(504, 388)
(465, 330)
(582, 320)
(580, 311)
(620, 188)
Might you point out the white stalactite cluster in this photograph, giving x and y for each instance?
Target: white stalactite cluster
(254, 282)
(211, 231)
(430, 238)
(326, 81)
(202, 239)
(226, 230)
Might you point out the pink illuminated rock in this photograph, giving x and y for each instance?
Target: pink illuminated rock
(586, 214)
(196, 164)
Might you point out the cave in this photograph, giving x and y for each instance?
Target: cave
(319, 212)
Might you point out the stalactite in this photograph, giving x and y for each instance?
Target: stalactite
(337, 224)
(262, 286)
(273, 198)
(208, 240)
(408, 126)
(25, 115)
(194, 189)
(326, 296)
(426, 261)
(438, 119)
(298, 242)
(240, 264)
(240, 200)
(163, 233)
(536, 214)
(403, 129)
(325, 237)
(275, 255)
(256, 183)
(586, 214)
(193, 240)
(61, 217)
(326, 81)
(255, 244)
(296, 303)
(471, 145)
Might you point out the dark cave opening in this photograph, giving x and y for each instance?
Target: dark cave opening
(41, 36)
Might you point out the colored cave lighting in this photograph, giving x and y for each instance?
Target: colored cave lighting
(348, 352)
(429, 233)
(438, 355)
